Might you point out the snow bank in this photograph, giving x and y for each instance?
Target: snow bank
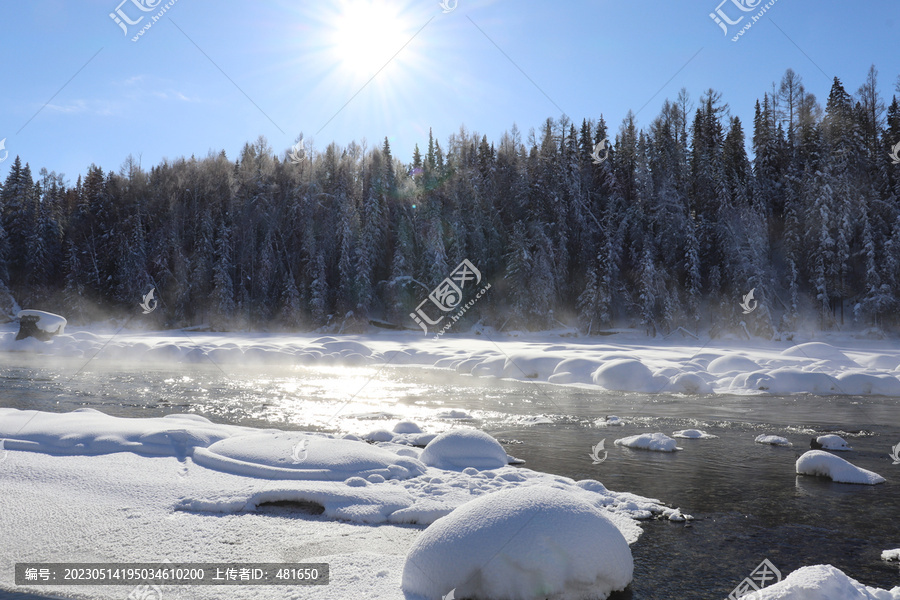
(507, 545)
(823, 464)
(460, 448)
(88, 431)
(694, 434)
(774, 440)
(659, 442)
(833, 442)
(632, 363)
(822, 582)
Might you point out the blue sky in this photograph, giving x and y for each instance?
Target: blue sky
(214, 75)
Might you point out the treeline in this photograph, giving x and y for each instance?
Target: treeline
(672, 229)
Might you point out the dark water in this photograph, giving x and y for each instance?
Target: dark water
(747, 501)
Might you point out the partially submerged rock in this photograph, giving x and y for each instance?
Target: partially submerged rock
(39, 324)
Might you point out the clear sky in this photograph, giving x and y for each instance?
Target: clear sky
(212, 75)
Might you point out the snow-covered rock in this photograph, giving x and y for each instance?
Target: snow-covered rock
(822, 582)
(46, 321)
(407, 427)
(628, 375)
(891, 554)
(659, 442)
(495, 547)
(816, 350)
(732, 364)
(833, 442)
(457, 449)
(694, 434)
(688, 383)
(379, 435)
(610, 420)
(774, 440)
(823, 464)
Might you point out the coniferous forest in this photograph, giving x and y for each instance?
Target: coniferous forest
(671, 230)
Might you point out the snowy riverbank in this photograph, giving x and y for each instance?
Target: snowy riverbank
(88, 487)
(839, 365)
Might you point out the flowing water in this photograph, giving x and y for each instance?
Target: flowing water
(746, 499)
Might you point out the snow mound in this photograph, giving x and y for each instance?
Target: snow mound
(689, 383)
(774, 440)
(833, 442)
(785, 381)
(610, 420)
(816, 350)
(823, 464)
(535, 365)
(658, 442)
(505, 545)
(453, 414)
(822, 582)
(859, 384)
(407, 427)
(294, 455)
(731, 364)
(891, 554)
(627, 375)
(460, 448)
(694, 434)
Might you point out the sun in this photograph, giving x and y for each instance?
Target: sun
(367, 34)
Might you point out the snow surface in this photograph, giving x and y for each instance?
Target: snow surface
(624, 362)
(823, 464)
(94, 488)
(694, 434)
(47, 322)
(833, 442)
(774, 440)
(659, 442)
(822, 582)
(525, 543)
